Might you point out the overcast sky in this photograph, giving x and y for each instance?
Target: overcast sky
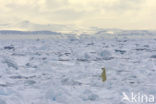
(124, 14)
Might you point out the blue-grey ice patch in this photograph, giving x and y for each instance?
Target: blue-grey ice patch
(29, 82)
(58, 94)
(120, 51)
(153, 56)
(3, 68)
(89, 95)
(70, 82)
(84, 56)
(2, 101)
(106, 55)
(10, 96)
(11, 47)
(10, 63)
(5, 91)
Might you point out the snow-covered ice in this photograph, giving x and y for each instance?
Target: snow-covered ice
(67, 70)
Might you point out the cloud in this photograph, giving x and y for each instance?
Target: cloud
(103, 13)
(124, 5)
(68, 14)
(55, 4)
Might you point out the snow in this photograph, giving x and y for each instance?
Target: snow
(67, 70)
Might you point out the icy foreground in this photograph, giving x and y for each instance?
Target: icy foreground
(67, 71)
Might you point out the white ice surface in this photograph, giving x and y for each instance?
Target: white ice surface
(67, 71)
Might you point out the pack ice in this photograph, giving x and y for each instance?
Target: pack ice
(67, 70)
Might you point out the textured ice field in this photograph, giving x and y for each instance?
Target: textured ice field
(67, 71)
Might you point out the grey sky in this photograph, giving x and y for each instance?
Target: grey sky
(124, 14)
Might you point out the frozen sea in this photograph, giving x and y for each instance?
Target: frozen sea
(48, 70)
